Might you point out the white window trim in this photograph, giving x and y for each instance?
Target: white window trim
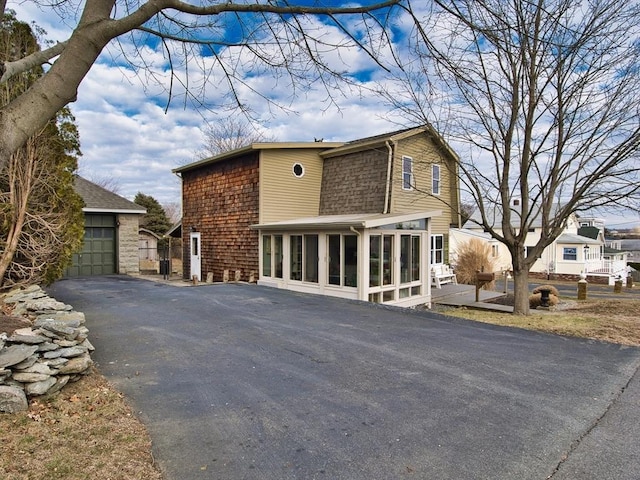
(411, 181)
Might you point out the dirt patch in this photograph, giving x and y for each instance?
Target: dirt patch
(9, 324)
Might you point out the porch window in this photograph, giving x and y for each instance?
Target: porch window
(266, 255)
(437, 249)
(435, 179)
(409, 258)
(380, 260)
(343, 260)
(407, 173)
(570, 253)
(272, 256)
(304, 258)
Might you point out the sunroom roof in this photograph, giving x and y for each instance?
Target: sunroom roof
(362, 220)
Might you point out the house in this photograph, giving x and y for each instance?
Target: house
(110, 233)
(362, 220)
(579, 250)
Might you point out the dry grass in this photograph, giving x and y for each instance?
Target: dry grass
(87, 431)
(616, 321)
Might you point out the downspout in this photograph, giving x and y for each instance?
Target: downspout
(361, 268)
(387, 192)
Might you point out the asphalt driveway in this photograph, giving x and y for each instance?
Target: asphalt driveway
(246, 382)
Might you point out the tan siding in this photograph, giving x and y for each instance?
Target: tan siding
(284, 196)
(425, 154)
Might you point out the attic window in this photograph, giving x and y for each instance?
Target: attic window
(298, 170)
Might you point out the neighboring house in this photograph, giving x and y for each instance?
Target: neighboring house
(362, 220)
(580, 249)
(110, 235)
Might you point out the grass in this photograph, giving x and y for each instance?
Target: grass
(616, 321)
(88, 431)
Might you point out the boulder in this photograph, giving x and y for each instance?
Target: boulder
(12, 399)
(77, 364)
(40, 388)
(15, 354)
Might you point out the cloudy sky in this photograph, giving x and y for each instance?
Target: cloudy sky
(132, 140)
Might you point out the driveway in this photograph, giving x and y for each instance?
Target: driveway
(245, 382)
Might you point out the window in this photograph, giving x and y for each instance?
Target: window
(570, 253)
(298, 170)
(380, 260)
(407, 173)
(409, 258)
(304, 258)
(437, 249)
(343, 260)
(272, 256)
(266, 255)
(495, 250)
(435, 179)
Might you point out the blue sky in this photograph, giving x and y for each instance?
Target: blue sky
(127, 136)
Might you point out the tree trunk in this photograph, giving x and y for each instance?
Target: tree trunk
(521, 291)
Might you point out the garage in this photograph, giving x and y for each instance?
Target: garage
(110, 243)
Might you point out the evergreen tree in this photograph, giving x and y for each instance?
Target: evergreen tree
(155, 219)
(41, 219)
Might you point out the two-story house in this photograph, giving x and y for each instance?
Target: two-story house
(362, 220)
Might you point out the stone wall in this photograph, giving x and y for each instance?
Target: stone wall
(221, 201)
(43, 346)
(128, 243)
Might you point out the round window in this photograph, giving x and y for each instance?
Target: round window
(298, 170)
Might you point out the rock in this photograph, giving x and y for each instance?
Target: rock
(61, 381)
(88, 345)
(4, 374)
(15, 354)
(12, 399)
(26, 363)
(59, 328)
(56, 362)
(29, 377)
(47, 347)
(10, 323)
(77, 364)
(71, 318)
(26, 335)
(72, 351)
(47, 304)
(40, 367)
(40, 388)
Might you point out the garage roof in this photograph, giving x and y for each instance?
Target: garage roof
(100, 200)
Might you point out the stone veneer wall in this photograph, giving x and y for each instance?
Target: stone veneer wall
(354, 183)
(221, 201)
(128, 244)
(43, 346)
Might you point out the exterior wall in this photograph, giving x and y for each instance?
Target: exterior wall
(354, 183)
(425, 153)
(283, 195)
(128, 250)
(221, 201)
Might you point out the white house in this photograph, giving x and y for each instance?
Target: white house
(580, 249)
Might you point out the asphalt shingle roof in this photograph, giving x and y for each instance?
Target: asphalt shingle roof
(98, 199)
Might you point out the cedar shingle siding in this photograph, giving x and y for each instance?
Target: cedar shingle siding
(221, 200)
(354, 183)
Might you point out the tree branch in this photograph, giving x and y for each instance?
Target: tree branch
(10, 69)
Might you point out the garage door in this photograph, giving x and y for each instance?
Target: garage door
(98, 253)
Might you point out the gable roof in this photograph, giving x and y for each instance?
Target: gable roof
(377, 140)
(255, 148)
(100, 200)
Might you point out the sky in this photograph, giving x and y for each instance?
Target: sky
(131, 139)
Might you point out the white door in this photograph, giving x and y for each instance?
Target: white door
(196, 258)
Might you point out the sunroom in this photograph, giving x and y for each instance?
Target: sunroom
(380, 258)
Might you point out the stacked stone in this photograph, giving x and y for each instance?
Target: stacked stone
(41, 358)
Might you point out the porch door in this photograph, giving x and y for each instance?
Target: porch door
(196, 258)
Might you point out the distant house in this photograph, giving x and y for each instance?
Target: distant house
(110, 234)
(362, 220)
(580, 249)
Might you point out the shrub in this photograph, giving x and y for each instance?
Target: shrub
(554, 290)
(471, 257)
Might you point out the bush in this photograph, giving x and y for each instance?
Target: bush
(471, 257)
(554, 290)
(535, 300)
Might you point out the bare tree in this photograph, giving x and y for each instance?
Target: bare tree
(541, 100)
(231, 134)
(173, 211)
(270, 35)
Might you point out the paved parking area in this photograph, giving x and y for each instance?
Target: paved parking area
(246, 382)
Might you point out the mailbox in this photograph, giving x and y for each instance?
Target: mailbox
(485, 277)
